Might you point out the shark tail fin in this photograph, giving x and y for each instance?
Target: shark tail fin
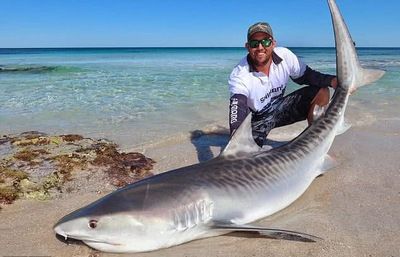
(367, 76)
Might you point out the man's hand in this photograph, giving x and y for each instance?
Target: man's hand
(334, 83)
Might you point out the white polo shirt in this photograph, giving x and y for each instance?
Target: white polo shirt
(262, 90)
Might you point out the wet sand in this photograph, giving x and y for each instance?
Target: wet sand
(354, 207)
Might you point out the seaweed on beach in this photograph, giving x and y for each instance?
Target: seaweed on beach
(9, 180)
(8, 194)
(67, 163)
(71, 138)
(123, 168)
(30, 156)
(35, 165)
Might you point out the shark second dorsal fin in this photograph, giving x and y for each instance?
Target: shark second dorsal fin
(242, 140)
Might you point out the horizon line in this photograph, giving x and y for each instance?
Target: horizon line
(150, 47)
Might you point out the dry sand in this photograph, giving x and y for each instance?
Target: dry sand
(355, 207)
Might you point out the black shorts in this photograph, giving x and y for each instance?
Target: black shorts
(290, 109)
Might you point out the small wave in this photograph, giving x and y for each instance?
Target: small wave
(27, 68)
(38, 69)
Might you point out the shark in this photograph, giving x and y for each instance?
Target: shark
(230, 192)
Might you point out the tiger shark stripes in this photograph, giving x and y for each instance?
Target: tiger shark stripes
(228, 193)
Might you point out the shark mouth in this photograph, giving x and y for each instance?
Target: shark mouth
(72, 239)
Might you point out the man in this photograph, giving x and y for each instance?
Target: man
(258, 83)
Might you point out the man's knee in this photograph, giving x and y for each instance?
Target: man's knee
(322, 97)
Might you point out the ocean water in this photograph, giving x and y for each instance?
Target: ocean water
(140, 95)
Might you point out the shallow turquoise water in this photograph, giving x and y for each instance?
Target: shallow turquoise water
(139, 94)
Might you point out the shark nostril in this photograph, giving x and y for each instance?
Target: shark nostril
(92, 224)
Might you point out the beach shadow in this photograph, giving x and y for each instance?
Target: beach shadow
(269, 143)
(204, 141)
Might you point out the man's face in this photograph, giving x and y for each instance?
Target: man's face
(260, 54)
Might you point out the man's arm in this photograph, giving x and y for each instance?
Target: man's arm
(237, 111)
(316, 79)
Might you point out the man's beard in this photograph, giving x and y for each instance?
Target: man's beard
(265, 61)
(258, 63)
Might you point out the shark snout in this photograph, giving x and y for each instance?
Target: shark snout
(59, 228)
(59, 231)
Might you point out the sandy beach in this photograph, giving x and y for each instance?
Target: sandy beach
(354, 207)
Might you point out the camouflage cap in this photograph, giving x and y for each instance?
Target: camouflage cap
(259, 27)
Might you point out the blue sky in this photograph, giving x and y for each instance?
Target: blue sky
(140, 23)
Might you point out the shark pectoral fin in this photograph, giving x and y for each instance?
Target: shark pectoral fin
(343, 127)
(242, 140)
(268, 232)
(329, 163)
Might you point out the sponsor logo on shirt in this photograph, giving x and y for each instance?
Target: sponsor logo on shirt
(273, 90)
(234, 110)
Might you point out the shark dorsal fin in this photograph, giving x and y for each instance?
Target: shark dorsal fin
(242, 140)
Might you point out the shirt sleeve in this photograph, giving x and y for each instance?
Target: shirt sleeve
(238, 111)
(302, 74)
(314, 78)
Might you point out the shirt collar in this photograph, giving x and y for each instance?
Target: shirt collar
(252, 68)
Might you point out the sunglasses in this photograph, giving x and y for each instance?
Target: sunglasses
(266, 42)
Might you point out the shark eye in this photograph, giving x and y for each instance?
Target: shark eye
(92, 224)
